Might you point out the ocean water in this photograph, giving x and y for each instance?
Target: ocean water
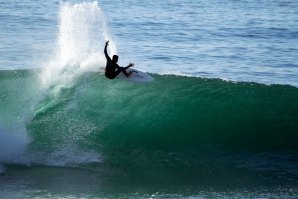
(219, 121)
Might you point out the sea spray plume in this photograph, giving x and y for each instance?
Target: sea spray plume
(80, 40)
(81, 36)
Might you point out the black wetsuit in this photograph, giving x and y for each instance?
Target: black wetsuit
(112, 68)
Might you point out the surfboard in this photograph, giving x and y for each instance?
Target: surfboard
(136, 76)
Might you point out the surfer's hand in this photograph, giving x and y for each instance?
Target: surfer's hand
(107, 43)
(131, 64)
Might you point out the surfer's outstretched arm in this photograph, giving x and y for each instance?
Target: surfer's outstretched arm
(106, 51)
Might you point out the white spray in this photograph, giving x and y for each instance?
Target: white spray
(81, 37)
(80, 42)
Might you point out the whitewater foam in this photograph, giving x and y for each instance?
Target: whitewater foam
(12, 146)
(13, 150)
(65, 157)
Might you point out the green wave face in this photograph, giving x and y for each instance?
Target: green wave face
(175, 122)
(172, 112)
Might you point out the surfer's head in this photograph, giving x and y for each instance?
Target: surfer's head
(115, 58)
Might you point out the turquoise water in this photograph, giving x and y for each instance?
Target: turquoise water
(185, 137)
(219, 121)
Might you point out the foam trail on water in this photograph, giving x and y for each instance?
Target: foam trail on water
(66, 157)
(81, 37)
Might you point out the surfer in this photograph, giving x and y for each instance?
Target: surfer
(112, 68)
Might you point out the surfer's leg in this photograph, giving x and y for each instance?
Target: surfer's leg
(117, 72)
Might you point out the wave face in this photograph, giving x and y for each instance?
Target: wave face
(173, 124)
(174, 112)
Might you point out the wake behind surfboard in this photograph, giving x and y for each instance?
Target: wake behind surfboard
(136, 76)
